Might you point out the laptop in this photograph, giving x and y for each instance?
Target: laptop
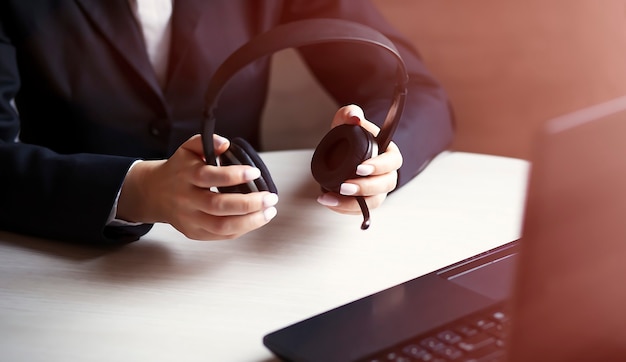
(557, 294)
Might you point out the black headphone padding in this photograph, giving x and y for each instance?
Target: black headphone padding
(339, 153)
(241, 152)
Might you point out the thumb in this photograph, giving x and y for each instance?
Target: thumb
(350, 114)
(353, 114)
(194, 144)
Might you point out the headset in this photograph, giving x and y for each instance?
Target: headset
(341, 150)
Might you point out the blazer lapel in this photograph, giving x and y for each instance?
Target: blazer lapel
(115, 20)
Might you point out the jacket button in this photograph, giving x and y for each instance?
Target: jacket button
(158, 128)
(155, 131)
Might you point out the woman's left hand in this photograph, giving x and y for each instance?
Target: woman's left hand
(378, 175)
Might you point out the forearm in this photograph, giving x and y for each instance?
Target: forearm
(425, 130)
(66, 197)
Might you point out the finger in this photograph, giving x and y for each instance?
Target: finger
(348, 205)
(194, 144)
(212, 227)
(231, 204)
(370, 186)
(353, 114)
(388, 161)
(214, 176)
(350, 114)
(220, 144)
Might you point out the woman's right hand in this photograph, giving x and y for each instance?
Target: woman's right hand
(181, 191)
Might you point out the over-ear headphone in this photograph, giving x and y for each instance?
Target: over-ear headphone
(346, 146)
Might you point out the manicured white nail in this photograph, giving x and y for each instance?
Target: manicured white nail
(348, 189)
(364, 170)
(270, 200)
(218, 141)
(251, 173)
(327, 200)
(270, 213)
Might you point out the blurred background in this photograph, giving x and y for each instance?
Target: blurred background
(507, 66)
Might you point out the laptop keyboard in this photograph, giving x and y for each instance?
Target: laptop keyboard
(477, 338)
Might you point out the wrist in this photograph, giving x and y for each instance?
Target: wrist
(134, 204)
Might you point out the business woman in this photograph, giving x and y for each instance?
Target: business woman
(101, 105)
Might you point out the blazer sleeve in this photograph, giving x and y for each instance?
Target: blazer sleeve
(366, 76)
(75, 192)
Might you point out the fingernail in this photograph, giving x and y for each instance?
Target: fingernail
(356, 114)
(218, 141)
(354, 120)
(327, 200)
(270, 200)
(270, 213)
(348, 189)
(364, 170)
(251, 173)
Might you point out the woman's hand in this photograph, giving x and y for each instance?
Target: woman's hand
(379, 174)
(181, 191)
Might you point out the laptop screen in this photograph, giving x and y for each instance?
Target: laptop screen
(570, 297)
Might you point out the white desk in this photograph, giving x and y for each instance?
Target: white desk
(166, 298)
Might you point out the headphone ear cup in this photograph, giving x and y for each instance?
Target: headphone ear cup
(339, 153)
(241, 152)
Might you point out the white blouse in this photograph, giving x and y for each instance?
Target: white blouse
(154, 16)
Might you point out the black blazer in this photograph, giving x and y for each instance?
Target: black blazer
(88, 102)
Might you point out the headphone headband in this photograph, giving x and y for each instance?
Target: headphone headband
(298, 34)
